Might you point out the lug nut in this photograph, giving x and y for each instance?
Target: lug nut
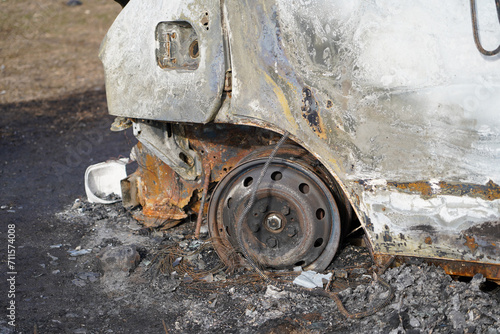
(292, 232)
(285, 210)
(272, 242)
(273, 222)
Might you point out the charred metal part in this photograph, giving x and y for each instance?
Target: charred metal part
(173, 56)
(120, 124)
(168, 142)
(307, 236)
(476, 29)
(177, 46)
(199, 219)
(418, 125)
(490, 191)
(451, 267)
(161, 192)
(166, 197)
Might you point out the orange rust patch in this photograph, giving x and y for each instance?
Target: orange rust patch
(428, 241)
(459, 268)
(471, 243)
(420, 187)
(490, 191)
(165, 197)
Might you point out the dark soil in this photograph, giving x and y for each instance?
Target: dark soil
(86, 268)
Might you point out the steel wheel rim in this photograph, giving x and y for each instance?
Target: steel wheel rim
(293, 222)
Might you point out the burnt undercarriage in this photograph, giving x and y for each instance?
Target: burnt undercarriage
(298, 215)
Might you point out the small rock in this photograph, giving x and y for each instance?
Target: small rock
(251, 311)
(470, 329)
(54, 258)
(476, 282)
(209, 278)
(134, 226)
(177, 262)
(275, 292)
(77, 204)
(121, 258)
(414, 322)
(78, 282)
(55, 272)
(220, 278)
(359, 271)
(340, 273)
(457, 319)
(79, 252)
(90, 276)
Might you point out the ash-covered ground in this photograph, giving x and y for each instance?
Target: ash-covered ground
(174, 283)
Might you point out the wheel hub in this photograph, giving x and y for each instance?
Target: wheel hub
(274, 222)
(294, 220)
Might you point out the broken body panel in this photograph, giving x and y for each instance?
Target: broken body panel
(393, 99)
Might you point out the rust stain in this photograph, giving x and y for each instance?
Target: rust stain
(471, 243)
(428, 241)
(165, 197)
(420, 187)
(458, 268)
(490, 191)
(310, 112)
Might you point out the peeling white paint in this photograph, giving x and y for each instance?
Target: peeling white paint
(444, 212)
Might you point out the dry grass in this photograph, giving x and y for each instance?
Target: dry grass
(48, 49)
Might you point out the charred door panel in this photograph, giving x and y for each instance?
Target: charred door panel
(164, 60)
(384, 94)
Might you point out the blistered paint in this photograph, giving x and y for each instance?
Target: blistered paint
(406, 102)
(423, 225)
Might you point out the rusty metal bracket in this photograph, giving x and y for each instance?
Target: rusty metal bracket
(167, 142)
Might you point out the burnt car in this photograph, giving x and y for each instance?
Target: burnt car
(289, 123)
